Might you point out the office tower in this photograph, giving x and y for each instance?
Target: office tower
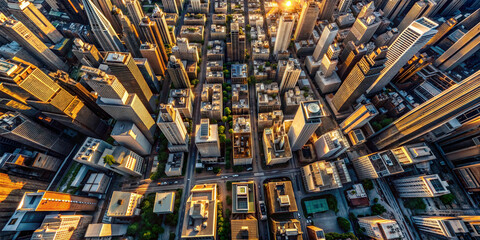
(123, 66)
(77, 89)
(27, 39)
(363, 29)
(420, 9)
(393, 8)
(306, 121)
(135, 12)
(461, 50)
(117, 102)
(307, 20)
(35, 206)
(129, 135)
(380, 228)
(327, 8)
(327, 172)
(102, 29)
(172, 126)
(199, 207)
(106, 7)
(386, 38)
(177, 74)
(377, 165)
(407, 44)
(150, 32)
(148, 73)
(366, 10)
(352, 58)
(152, 53)
(360, 78)
(33, 19)
(129, 32)
(326, 39)
(276, 145)
(237, 43)
(344, 5)
(57, 226)
(159, 17)
(431, 114)
(331, 144)
(448, 227)
(469, 175)
(359, 118)
(291, 75)
(206, 139)
(442, 31)
(170, 6)
(185, 51)
(86, 53)
(451, 7)
(414, 65)
(196, 5)
(17, 127)
(284, 33)
(421, 186)
(326, 78)
(27, 84)
(74, 10)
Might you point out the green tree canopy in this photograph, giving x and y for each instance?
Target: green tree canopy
(109, 159)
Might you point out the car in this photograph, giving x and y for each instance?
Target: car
(299, 216)
(236, 175)
(249, 169)
(210, 169)
(162, 183)
(176, 182)
(263, 210)
(224, 177)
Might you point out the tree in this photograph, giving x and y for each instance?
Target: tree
(378, 209)
(343, 223)
(229, 186)
(227, 111)
(224, 93)
(222, 137)
(229, 88)
(225, 100)
(133, 229)
(340, 236)
(216, 170)
(148, 235)
(415, 203)
(230, 131)
(367, 184)
(221, 129)
(224, 118)
(109, 159)
(229, 200)
(447, 199)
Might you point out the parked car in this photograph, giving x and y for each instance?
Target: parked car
(236, 175)
(263, 210)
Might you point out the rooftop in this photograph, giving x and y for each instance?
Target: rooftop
(201, 212)
(99, 230)
(320, 176)
(164, 202)
(244, 229)
(239, 71)
(124, 204)
(281, 198)
(243, 196)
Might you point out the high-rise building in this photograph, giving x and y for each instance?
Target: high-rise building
(124, 204)
(350, 56)
(177, 73)
(327, 37)
(344, 5)
(58, 226)
(448, 227)
(33, 19)
(331, 144)
(106, 7)
(206, 139)
(27, 84)
(150, 32)
(363, 29)
(422, 8)
(442, 31)
(328, 172)
(170, 6)
(359, 117)
(196, 6)
(421, 186)
(135, 12)
(117, 102)
(152, 53)
(185, 51)
(148, 73)
(237, 43)
(35, 206)
(129, 135)
(159, 17)
(380, 228)
(291, 75)
(102, 29)
(86, 53)
(276, 145)
(123, 66)
(407, 44)
(377, 165)
(469, 175)
(432, 113)
(284, 33)
(306, 121)
(327, 8)
(27, 39)
(201, 213)
(393, 8)
(129, 32)
(461, 50)
(172, 126)
(360, 78)
(307, 20)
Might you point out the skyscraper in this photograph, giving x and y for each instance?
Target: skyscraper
(170, 6)
(360, 78)
(284, 33)
(129, 135)
(150, 33)
(152, 53)
(359, 117)
(443, 226)
(57, 226)
(86, 53)
(393, 8)
(27, 39)
(431, 114)
(307, 20)
(327, 7)
(172, 126)
(106, 7)
(135, 12)
(327, 37)
(421, 186)
(102, 29)
(28, 14)
(177, 74)
(159, 17)
(123, 66)
(344, 5)
(461, 50)
(380, 228)
(363, 29)
(407, 44)
(352, 57)
(442, 31)
(206, 139)
(129, 32)
(306, 121)
(421, 8)
(237, 44)
(291, 75)
(117, 102)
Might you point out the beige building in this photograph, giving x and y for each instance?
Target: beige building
(280, 198)
(322, 175)
(276, 146)
(266, 120)
(380, 228)
(124, 204)
(164, 202)
(200, 220)
(242, 229)
(174, 164)
(182, 100)
(242, 140)
(291, 228)
(206, 139)
(212, 101)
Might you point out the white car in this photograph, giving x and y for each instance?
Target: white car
(224, 177)
(236, 175)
